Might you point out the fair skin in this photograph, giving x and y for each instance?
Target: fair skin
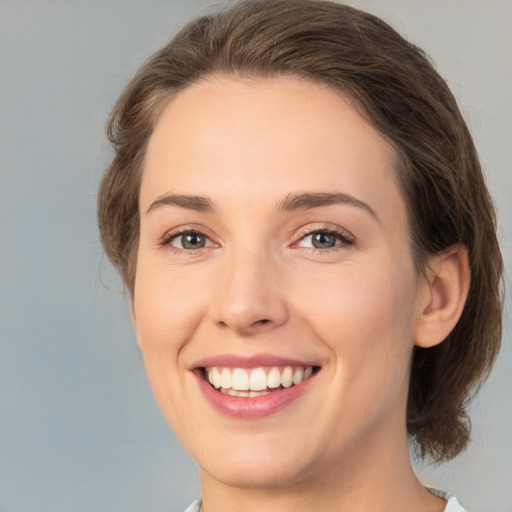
(273, 235)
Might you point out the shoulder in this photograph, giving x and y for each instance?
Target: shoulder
(452, 505)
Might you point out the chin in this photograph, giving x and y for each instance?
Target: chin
(257, 475)
(263, 465)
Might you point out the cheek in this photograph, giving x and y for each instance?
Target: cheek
(365, 316)
(166, 312)
(164, 316)
(166, 309)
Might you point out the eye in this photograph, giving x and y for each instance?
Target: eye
(187, 241)
(325, 239)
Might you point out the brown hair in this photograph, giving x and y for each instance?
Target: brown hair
(397, 89)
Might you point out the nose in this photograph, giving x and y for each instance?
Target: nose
(249, 299)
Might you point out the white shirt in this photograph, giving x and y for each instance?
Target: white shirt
(452, 505)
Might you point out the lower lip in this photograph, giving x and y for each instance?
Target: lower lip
(255, 407)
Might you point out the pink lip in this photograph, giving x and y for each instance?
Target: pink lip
(258, 360)
(255, 407)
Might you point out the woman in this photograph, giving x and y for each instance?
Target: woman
(299, 214)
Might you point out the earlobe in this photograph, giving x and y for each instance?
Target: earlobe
(447, 286)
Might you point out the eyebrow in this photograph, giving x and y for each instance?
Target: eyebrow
(292, 202)
(197, 203)
(307, 200)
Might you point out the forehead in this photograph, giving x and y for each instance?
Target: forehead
(252, 139)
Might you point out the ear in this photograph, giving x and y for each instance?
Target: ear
(444, 294)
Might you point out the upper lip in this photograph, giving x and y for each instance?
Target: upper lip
(255, 361)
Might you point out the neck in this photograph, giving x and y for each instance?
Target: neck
(373, 476)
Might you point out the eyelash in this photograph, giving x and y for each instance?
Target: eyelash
(346, 240)
(173, 235)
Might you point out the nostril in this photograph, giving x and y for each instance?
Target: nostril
(263, 321)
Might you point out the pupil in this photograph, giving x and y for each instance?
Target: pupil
(323, 240)
(192, 241)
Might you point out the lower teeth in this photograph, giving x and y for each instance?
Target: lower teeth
(245, 394)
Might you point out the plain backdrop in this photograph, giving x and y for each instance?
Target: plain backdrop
(79, 428)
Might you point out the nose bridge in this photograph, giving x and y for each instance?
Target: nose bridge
(249, 299)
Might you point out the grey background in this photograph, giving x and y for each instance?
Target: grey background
(79, 429)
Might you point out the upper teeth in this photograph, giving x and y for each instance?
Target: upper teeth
(257, 379)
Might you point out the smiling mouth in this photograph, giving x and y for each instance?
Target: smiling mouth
(250, 383)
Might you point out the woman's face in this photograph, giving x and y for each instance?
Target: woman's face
(274, 261)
